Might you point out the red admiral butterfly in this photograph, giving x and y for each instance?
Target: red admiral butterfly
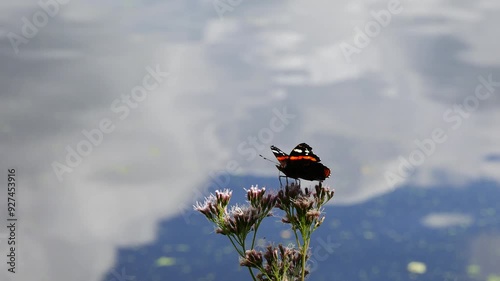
(302, 163)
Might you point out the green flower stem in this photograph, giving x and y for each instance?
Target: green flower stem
(251, 273)
(243, 256)
(296, 237)
(304, 252)
(241, 253)
(235, 247)
(257, 224)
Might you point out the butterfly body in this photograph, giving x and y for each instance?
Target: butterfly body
(302, 163)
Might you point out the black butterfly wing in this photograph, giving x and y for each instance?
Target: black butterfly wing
(303, 152)
(280, 155)
(301, 163)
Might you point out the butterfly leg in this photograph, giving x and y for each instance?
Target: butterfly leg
(281, 184)
(286, 180)
(297, 182)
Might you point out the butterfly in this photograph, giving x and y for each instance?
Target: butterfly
(302, 163)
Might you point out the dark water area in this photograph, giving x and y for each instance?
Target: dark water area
(385, 238)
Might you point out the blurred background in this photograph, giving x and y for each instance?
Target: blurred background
(119, 115)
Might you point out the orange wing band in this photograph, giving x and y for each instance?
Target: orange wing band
(303, 158)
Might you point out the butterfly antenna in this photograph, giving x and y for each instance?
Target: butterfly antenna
(268, 159)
